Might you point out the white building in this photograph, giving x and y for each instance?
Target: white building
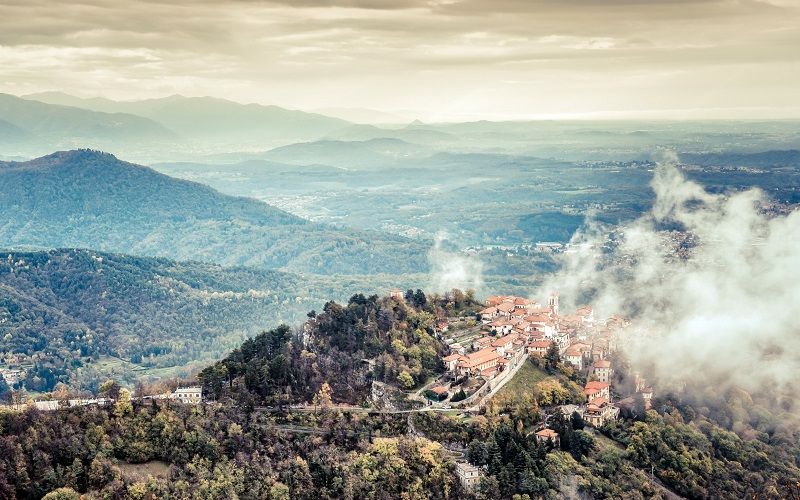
(188, 395)
(469, 475)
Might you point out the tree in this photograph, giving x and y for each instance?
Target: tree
(577, 421)
(419, 298)
(123, 405)
(61, 392)
(110, 389)
(552, 358)
(62, 494)
(323, 397)
(581, 443)
(406, 380)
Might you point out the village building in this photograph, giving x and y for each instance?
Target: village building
(586, 314)
(188, 395)
(596, 389)
(12, 376)
(501, 326)
(482, 342)
(457, 348)
(505, 309)
(504, 344)
(476, 362)
(468, 475)
(548, 436)
(647, 395)
(599, 411)
(440, 391)
(561, 338)
(574, 357)
(601, 370)
(552, 303)
(488, 314)
(539, 347)
(397, 294)
(495, 300)
(451, 361)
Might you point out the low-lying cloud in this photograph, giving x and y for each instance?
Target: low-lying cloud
(450, 269)
(719, 305)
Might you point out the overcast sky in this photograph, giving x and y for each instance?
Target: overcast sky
(441, 59)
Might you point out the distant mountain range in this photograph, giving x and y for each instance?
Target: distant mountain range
(25, 123)
(209, 118)
(89, 199)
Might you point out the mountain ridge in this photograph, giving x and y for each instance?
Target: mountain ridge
(89, 199)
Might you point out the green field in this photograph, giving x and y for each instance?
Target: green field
(523, 382)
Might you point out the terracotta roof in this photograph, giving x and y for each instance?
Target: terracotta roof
(547, 433)
(439, 389)
(599, 402)
(537, 318)
(452, 357)
(482, 356)
(602, 363)
(504, 340)
(505, 307)
(493, 301)
(594, 384)
(541, 343)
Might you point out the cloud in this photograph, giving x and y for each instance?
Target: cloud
(719, 306)
(579, 55)
(450, 269)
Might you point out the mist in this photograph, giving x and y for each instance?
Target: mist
(716, 303)
(450, 269)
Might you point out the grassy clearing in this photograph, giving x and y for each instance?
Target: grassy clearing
(523, 383)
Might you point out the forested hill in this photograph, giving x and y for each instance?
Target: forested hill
(89, 199)
(73, 307)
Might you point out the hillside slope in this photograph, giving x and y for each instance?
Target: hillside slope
(93, 200)
(67, 306)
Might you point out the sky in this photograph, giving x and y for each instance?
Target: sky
(438, 60)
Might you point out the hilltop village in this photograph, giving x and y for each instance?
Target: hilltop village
(513, 329)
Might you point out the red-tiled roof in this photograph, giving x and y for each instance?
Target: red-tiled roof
(594, 384)
(504, 340)
(480, 357)
(547, 433)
